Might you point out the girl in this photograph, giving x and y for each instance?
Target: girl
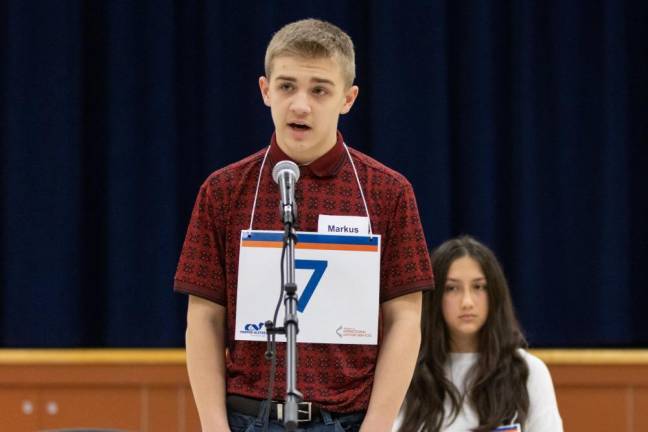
(473, 372)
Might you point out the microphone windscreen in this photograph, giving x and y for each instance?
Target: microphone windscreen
(285, 165)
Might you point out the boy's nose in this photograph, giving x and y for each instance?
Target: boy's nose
(300, 104)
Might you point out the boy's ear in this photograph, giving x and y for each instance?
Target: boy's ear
(349, 98)
(264, 86)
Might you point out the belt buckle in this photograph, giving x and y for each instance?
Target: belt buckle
(304, 412)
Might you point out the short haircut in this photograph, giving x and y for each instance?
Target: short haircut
(312, 38)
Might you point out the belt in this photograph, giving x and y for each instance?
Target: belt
(306, 411)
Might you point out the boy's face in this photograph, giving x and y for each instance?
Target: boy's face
(306, 98)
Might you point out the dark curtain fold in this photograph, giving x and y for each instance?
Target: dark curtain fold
(521, 123)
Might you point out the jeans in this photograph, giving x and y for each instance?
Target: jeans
(342, 423)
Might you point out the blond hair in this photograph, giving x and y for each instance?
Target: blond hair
(312, 38)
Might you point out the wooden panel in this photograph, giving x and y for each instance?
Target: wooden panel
(163, 410)
(600, 375)
(91, 407)
(148, 390)
(86, 356)
(18, 409)
(640, 409)
(580, 356)
(594, 408)
(99, 374)
(191, 412)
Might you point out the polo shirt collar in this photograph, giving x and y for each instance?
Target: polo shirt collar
(327, 165)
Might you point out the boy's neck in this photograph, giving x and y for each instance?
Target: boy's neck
(306, 157)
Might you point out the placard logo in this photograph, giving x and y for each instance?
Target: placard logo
(253, 329)
(344, 332)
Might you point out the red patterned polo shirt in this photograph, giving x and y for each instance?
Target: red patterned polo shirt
(337, 377)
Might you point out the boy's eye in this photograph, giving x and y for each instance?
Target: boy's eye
(319, 91)
(285, 86)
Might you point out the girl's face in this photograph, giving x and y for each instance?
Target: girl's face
(465, 304)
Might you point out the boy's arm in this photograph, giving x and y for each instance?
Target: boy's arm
(205, 341)
(396, 361)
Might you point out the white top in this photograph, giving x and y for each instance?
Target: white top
(543, 410)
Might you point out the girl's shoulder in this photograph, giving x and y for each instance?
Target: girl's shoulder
(533, 362)
(543, 407)
(539, 375)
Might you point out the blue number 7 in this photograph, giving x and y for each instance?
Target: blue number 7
(318, 266)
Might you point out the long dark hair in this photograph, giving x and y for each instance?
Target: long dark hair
(497, 390)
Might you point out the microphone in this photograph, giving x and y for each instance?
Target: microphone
(286, 174)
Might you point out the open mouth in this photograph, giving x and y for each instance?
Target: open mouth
(299, 126)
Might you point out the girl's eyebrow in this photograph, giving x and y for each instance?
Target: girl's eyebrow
(478, 279)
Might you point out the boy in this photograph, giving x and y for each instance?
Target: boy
(308, 83)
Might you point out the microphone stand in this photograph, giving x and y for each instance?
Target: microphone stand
(291, 326)
(291, 322)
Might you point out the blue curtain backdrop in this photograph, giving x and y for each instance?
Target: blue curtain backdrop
(522, 123)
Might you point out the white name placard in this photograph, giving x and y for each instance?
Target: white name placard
(338, 280)
(343, 225)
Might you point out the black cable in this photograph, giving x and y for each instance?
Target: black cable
(271, 351)
(281, 293)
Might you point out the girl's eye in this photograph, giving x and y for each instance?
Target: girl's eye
(480, 287)
(450, 288)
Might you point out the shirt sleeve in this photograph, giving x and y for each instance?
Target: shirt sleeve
(543, 408)
(405, 266)
(200, 268)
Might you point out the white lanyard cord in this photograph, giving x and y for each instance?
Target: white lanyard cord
(364, 201)
(514, 418)
(256, 193)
